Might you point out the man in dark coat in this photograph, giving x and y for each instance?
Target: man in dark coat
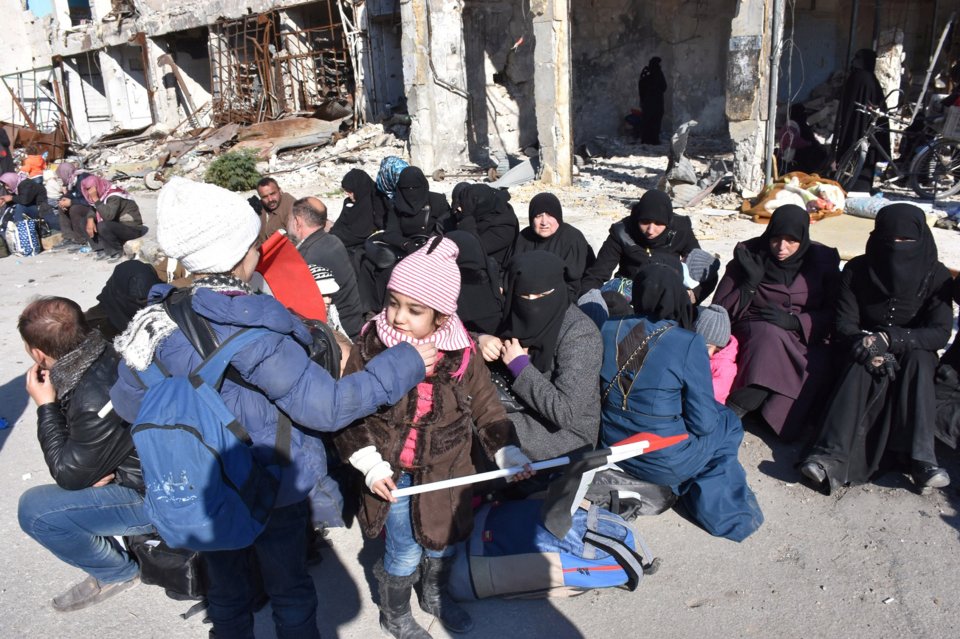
(89, 451)
(323, 251)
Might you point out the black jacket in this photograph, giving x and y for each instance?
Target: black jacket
(323, 249)
(79, 446)
(400, 229)
(30, 193)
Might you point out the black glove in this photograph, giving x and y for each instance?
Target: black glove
(869, 346)
(783, 319)
(751, 264)
(884, 366)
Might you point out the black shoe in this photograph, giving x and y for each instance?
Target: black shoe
(395, 616)
(814, 472)
(434, 598)
(930, 476)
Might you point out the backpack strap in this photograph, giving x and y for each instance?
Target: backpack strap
(200, 334)
(151, 375)
(631, 562)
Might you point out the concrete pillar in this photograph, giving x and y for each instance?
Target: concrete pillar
(164, 99)
(434, 80)
(552, 89)
(746, 87)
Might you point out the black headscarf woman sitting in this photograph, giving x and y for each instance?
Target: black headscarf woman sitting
(363, 210)
(894, 312)
(415, 212)
(548, 232)
(652, 233)
(486, 212)
(780, 291)
(552, 354)
(656, 379)
(480, 305)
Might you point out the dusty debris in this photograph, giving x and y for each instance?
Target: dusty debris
(268, 138)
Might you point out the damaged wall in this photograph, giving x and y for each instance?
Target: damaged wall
(499, 47)
(614, 39)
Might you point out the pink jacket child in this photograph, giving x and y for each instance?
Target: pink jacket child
(713, 323)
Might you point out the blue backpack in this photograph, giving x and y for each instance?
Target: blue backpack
(511, 553)
(205, 490)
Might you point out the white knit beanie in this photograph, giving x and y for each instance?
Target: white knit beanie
(207, 228)
(430, 275)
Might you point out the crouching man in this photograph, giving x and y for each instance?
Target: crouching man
(88, 448)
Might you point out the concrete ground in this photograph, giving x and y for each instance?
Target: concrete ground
(875, 561)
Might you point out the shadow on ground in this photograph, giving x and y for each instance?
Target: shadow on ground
(13, 401)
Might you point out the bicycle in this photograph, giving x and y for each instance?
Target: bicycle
(927, 184)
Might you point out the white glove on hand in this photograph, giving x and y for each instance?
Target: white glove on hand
(509, 457)
(369, 462)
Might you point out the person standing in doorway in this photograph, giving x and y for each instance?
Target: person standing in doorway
(652, 86)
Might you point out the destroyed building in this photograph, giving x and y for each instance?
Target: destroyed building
(483, 81)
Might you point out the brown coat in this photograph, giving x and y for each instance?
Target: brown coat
(270, 223)
(444, 442)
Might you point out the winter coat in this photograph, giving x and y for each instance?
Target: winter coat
(621, 256)
(563, 404)
(117, 209)
(279, 367)
(323, 249)
(30, 193)
(400, 229)
(723, 369)
(773, 357)
(79, 446)
(270, 223)
(672, 394)
(461, 411)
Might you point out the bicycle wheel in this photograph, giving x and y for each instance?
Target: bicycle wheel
(849, 167)
(935, 172)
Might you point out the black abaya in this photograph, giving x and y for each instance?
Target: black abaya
(860, 87)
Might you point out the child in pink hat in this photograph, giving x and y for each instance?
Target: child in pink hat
(425, 437)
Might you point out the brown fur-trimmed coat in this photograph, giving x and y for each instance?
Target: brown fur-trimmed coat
(444, 442)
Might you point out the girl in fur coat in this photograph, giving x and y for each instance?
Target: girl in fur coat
(425, 437)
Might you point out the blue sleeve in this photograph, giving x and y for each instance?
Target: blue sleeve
(126, 394)
(313, 399)
(699, 405)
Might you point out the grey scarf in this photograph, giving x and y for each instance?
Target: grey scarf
(68, 370)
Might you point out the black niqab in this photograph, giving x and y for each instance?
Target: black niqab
(659, 294)
(536, 323)
(413, 192)
(479, 200)
(480, 304)
(363, 215)
(793, 221)
(125, 292)
(899, 269)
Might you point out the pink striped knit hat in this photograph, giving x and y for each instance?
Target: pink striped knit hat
(430, 275)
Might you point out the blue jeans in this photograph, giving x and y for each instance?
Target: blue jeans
(281, 553)
(78, 526)
(403, 552)
(22, 212)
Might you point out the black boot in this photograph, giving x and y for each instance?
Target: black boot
(395, 617)
(435, 599)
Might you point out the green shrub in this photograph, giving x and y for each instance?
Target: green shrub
(236, 171)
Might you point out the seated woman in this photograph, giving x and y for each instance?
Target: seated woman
(414, 213)
(28, 198)
(480, 305)
(552, 352)
(894, 312)
(548, 232)
(486, 212)
(652, 233)
(72, 204)
(115, 217)
(362, 213)
(780, 290)
(656, 379)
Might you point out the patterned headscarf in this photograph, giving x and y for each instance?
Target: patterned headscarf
(105, 189)
(390, 169)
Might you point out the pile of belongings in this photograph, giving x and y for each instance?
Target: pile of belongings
(819, 196)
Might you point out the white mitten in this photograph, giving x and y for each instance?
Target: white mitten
(369, 462)
(509, 457)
